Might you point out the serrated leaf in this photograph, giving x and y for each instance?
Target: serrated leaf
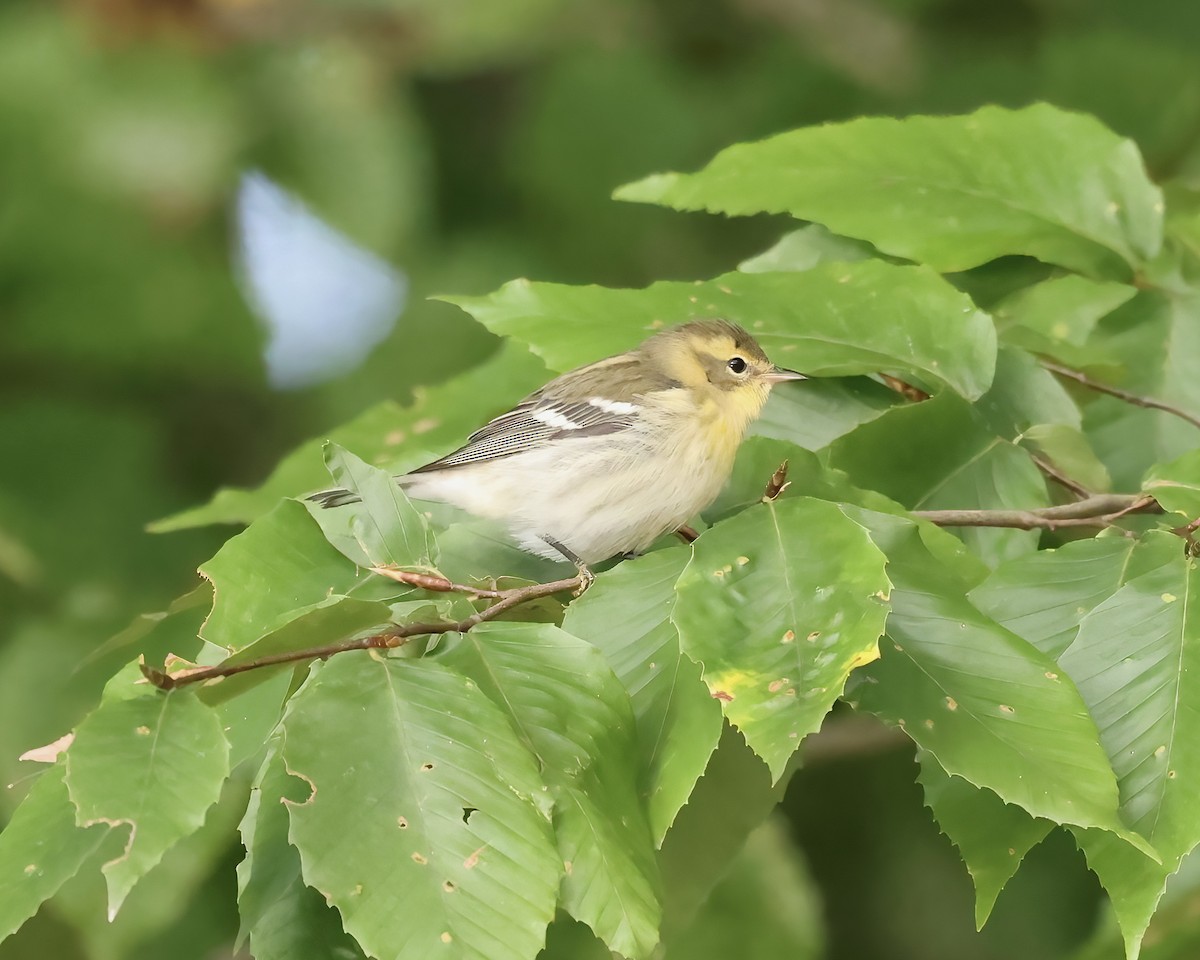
(384, 528)
(992, 836)
(155, 763)
(572, 714)
(627, 616)
(1136, 662)
(451, 852)
(778, 605)
(1176, 485)
(952, 192)
(836, 319)
(41, 848)
(277, 566)
(285, 919)
(388, 435)
(990, 707)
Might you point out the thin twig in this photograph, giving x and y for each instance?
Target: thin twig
(392, 637)
(687, 534)
(1095, 511)
(431, 581)
(1149, 403)
(1051, 472)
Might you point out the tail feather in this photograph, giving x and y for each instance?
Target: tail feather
(334, 498)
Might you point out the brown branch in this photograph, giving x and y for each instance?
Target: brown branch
(1095, 511)
(1138, 400)
(392, 637)
(431, 581)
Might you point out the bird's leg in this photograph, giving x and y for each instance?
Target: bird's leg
(586, 577)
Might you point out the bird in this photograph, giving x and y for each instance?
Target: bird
(606, 458)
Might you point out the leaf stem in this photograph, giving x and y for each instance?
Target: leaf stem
(394, 636)
(1138, 400)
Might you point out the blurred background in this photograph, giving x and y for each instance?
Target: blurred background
(220, 222)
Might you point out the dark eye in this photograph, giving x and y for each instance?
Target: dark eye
(737, 365)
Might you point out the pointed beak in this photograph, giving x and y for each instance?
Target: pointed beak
(778, 375)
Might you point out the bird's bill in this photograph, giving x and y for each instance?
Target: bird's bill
(779, 375)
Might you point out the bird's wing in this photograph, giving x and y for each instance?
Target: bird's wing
(558, 411)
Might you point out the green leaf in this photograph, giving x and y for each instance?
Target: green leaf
(952, 192)
(766, 905)
(385, 528)
(155, 763)
(41, 848)
(815, 416)
(735, 795)
(279, 565)
(1176, 485)
(285, 919)
(1067, 449)
(1043, 596)
(572, 714)
(992, 836)
(338, 618)
(802, 589)
(451, 853)
(627, 616)
(989, 706)
(836, 319)
(388, 435)
(1057, 316)
(1136, 662)
(803, 249)
(1155, 337)
(941, 454)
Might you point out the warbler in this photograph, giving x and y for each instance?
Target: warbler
(605, 459)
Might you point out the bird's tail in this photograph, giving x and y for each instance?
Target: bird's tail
(334, 498)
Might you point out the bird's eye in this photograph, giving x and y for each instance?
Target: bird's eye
(737, 365)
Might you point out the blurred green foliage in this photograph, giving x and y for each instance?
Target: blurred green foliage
(467, 143)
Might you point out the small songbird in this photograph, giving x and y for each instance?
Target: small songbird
(605, 459)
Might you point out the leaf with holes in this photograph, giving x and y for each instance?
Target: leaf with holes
(778, 605)
(572, 714)
(953, 192)
(451, 853)
(154, 762)
(627, 616)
